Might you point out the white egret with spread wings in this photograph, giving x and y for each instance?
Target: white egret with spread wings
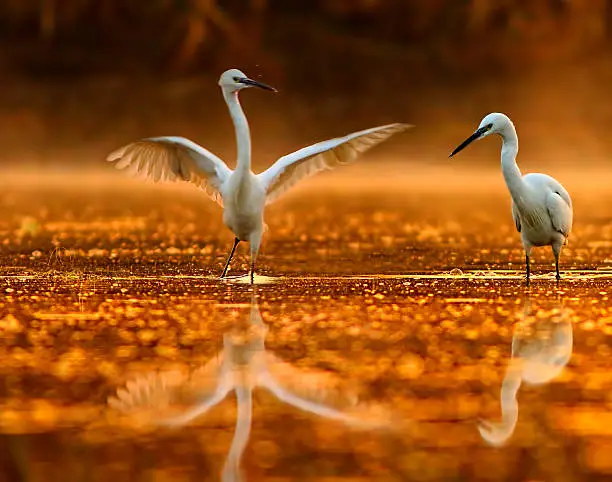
(541, 207)
(242, 194)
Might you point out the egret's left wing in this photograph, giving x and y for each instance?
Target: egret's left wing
(290, 169)
(559, 207)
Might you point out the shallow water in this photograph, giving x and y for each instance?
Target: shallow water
(389, 337)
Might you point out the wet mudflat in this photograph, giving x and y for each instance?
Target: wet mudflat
(389, 336)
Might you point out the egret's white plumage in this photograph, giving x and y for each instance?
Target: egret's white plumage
(541, 207)
(242, 193)
(173, 159)
(292, 168)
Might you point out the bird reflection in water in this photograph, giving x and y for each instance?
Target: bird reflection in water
(241, 366)
(541, 347)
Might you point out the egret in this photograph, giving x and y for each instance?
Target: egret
(242, 194)
(541, 207)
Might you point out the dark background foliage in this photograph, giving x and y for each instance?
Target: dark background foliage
(81, 75)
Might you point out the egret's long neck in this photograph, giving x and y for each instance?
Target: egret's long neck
(511, 171)
(243, 135)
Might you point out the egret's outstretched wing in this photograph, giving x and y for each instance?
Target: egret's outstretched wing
(559, 207)
(173, 159)
(290, 169)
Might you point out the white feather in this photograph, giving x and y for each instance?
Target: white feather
(173, 159)
(292, 168)
(560, 212)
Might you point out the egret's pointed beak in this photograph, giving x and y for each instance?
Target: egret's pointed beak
(254, 83)
(475, 136)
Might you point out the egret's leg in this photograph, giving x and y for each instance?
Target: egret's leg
(253, 257)
(229, 259)
(528, 269)
(528, 247)
(255, 240)
(557, 252)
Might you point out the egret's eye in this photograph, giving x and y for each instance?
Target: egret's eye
(236, 79)
(489, 126)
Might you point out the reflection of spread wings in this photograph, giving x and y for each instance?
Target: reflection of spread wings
(176, 398)
(244, 363)
(315, 385)
(163, 395)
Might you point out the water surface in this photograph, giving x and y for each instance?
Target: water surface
(389, 337)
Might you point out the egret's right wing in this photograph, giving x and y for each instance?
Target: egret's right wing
(294, 167)
(559, 209)
(173, 159)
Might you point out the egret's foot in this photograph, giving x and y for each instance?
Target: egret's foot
(252, 278)
(527, 281)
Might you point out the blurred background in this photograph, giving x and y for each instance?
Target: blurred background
(80, 77)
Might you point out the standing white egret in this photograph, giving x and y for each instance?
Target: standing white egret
(242, 193)
(541, 207)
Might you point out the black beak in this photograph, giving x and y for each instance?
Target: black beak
(476, 135)
(254, 83)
